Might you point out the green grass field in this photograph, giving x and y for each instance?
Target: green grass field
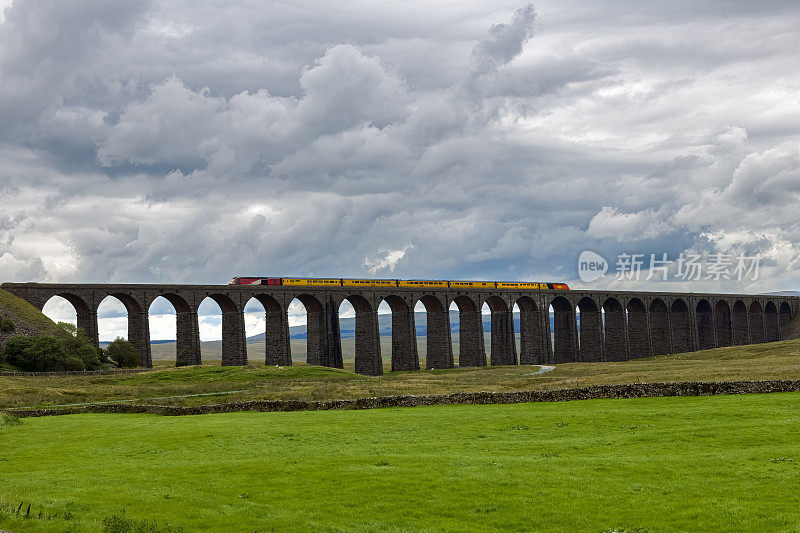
(725, 463)
(780, 360)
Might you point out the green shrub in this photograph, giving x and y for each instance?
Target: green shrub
(182, 359)
(7, 325)
(118, 524)
(48, 354)
(77, 342)
(102, 356)
(15, 345)
(81, 347)
(123, 353)
(70, 328)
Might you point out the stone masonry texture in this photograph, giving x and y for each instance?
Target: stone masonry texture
(631, 324)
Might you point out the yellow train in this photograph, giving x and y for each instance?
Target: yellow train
(418, 283)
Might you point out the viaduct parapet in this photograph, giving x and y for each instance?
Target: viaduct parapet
(614, 325)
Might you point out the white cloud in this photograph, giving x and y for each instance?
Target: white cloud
(4, 4)
(384, 260)
(627, 227)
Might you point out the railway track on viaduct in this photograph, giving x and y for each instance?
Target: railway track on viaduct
(613, 326)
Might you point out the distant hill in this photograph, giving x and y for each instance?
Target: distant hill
(347, 326)
(782, 293)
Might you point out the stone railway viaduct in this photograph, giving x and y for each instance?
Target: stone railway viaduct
(614, 325)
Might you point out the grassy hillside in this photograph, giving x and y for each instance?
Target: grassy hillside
(726, 463)
(780, 360)
(26, 318)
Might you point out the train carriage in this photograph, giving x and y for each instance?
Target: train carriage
(319, 282)
(369, 282)
(473, 284)
(414, 283)
(423, 283)
(521, 285)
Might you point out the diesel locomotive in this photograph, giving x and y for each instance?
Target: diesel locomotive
(419, 283)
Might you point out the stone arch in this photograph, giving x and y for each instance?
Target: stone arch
(756, 321)
(322, 349)
(86, 316)
(234, 344)
(771, 325)
(638, 341)
(785, 313)
(110, 314)
(705, 325)
(404, 336)
(439, 351)
(564, 330)
(472, 351)
(739, 323)
(367, 337)
(80, 305)
(224, 301)
(503, 348)
(530, 332)
(131, 304)
(138, 326)
(276, 331)
(659, 327)
(178, 302)
(681, 326)
(187, 330)
(722, 323)
(590, 340)
(614, 331)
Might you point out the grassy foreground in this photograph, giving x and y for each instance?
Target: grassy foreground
(726, 463)
(779, 360)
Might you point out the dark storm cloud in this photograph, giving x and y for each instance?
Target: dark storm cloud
(184, 141)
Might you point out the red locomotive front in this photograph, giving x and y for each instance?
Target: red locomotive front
(255, 281)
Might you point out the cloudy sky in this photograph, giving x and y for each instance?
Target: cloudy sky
(180, 141)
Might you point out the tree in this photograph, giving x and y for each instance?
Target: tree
(77, 343)
(123, 353)
(81, 347)
(47, 353)
(15, 345)
(70, 328)
(7, 325)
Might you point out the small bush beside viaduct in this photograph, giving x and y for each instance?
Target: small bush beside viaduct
(614, 325)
